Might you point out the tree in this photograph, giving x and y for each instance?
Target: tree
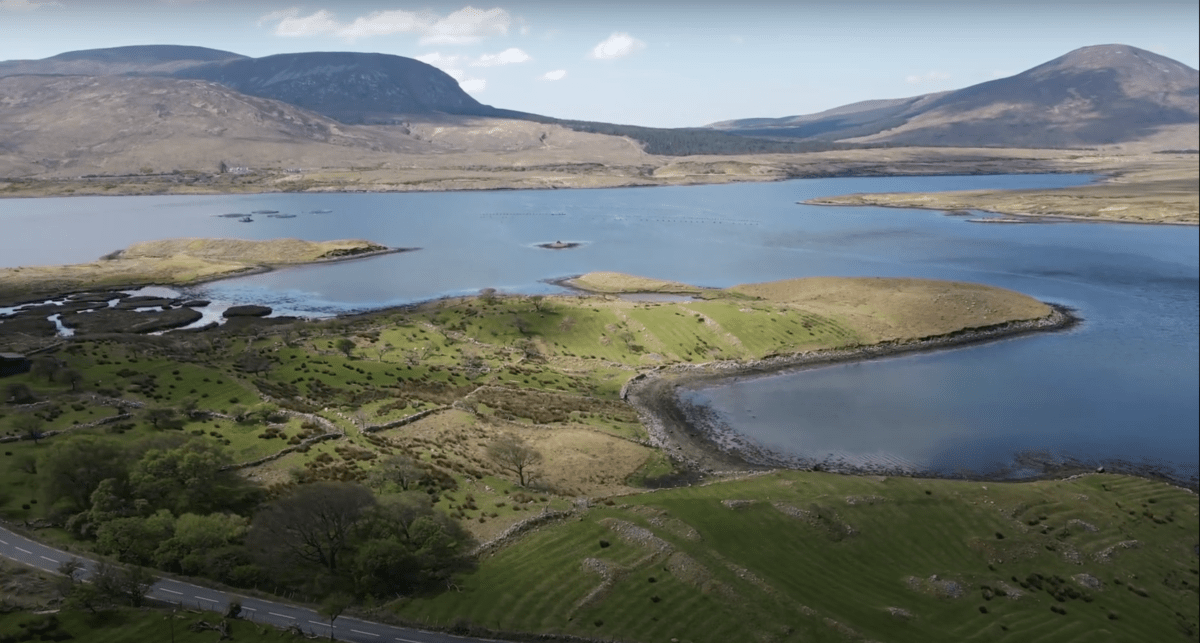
(29, 425)
(18, 393)
(333, 606)
(407, 545)
(189, 477)
(345, 345)
(123, 583)
(70, 576)
(72, 469)
(69, 376)
(513, 454)
(313, 524)
(538, 301)
(382, 349)
(161, 417)
(44, 366)
(399, 470)
(521, 324)
(415, 355)
(135, 539)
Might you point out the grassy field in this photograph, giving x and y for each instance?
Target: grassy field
(805, 557)
(800, 556)
(546, 369)
(173, 261)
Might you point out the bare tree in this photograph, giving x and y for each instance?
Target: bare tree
(539, 302)
(382, 349)
(123, 583)
(513, 454)
(414, 356)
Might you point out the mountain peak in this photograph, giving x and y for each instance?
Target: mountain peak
(350, 87)
(1124, 61)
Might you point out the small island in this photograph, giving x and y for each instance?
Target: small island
(178, 262)
(560, 245)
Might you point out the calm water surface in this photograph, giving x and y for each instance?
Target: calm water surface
(1123, 385)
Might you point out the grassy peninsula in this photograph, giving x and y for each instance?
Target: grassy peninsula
(410, 407)
(1155, 190)
(176, 262)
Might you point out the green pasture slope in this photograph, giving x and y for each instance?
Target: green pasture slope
(801, 556)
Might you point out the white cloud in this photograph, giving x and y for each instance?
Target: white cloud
(465, 26)
(473, 85)
(442, 61)
(506, 57)
(929, 77)
(293, 24)
(383, 23)
(557, 74)
(453, 66)
(25, 5)
(617, 45)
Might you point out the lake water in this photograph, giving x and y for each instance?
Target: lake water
(1121, 386)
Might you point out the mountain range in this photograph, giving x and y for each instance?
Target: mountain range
(1096, 95)
(160, 106)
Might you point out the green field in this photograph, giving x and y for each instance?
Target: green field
(798, 557)
(814, 557)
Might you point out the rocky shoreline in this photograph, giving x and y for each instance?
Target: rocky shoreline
(702, 445)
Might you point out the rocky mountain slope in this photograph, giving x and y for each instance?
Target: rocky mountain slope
(74, 125)
(348, 87)
(1097, 95)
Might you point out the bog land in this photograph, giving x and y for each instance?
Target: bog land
(1144, 185)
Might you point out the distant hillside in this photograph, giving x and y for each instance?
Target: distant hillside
(1091, 96)
(116, 61)
(348, 87)
(72, 125)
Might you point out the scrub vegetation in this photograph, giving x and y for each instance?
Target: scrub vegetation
(411, 440)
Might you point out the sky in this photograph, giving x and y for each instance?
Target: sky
(650, 62)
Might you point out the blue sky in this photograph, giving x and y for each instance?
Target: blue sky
(666, 64)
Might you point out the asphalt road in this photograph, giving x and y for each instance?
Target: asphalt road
(186, 595)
